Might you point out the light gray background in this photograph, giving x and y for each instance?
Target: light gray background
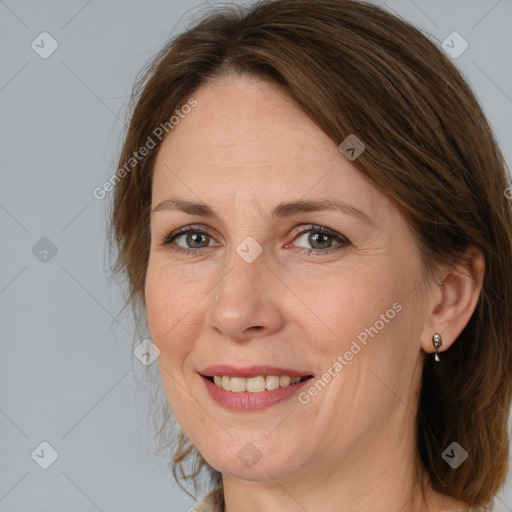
(67, 373)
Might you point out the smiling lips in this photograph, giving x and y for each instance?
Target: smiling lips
(257, 387)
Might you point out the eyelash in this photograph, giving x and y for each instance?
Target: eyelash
(342, 241)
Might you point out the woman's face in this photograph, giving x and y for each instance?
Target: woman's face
(258, 291)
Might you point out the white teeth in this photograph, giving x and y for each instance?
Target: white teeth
(237, 384)
(272, 382)
(254, 384)
(284, 381)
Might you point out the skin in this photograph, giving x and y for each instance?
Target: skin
(242, 150)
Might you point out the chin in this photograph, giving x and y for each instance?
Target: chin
(252, 463)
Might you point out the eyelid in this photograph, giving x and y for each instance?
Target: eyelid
(187, 229)
(315, 227)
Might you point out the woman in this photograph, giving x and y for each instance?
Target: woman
(311, 211)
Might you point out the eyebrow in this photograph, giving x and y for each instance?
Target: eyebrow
(282, 210)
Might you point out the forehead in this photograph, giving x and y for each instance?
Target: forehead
(246, 137)
(243, 116)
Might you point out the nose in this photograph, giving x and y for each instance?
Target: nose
(248, 300)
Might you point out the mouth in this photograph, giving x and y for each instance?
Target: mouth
(255, 384)
(254, 388)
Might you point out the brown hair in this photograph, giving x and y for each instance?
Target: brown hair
(356, 69)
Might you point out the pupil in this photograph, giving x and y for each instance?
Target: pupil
(313, 238)
(193, 237)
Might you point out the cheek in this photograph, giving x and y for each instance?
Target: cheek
(169, 313)
(160, 308)
(346, 303)
(367, 321)
(170, 307)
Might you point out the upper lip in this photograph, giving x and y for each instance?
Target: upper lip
(250, 371)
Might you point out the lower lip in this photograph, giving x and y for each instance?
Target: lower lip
(247, 401)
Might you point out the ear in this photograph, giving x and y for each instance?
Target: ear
(453, 299)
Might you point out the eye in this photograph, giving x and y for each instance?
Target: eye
(321, 239)
(192, 240)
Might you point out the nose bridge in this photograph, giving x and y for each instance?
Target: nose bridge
(241, 301)
(245, 257)
(246, 266)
